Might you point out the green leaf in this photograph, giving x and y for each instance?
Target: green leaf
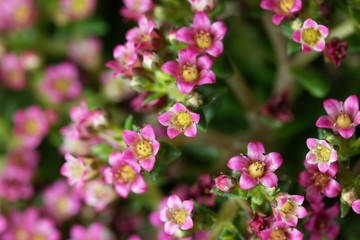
(230, 232)
(102, 151)
(128, 125)
(313, 82)
(293, 47)
(344, 209)
(152, 97)
(237, 192)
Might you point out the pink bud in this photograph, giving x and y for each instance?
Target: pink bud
(225, 183)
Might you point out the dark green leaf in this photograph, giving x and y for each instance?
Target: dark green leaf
(313, 82)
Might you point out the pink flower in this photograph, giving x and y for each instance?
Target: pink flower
(321, 223)
(311, 36)
(279, 107)
(200, 191)
(143, 35)
(138, 105)
(95, 231)
(77, 170)
(321, 153)
(61, 82)
(287, 208)
(280, 230)
(115, 89)
(16, 14)
(12, 72)
(77, 9)
(31, 125)
(30, 60)
(126, 59)
(259, 222)
(143, 145)
(24, 161)
(124, 174)
(179, 119)
(281, 8)
(134, 9)
(29, 225)
(336, 51)
(86, 52)
(225, 183)
(356, 206)
(60, 202)
(190, 71)
(98, 194)
(203, 36)
(177, 215)
(256, 166)
(319, 183)
(73, 144)
(343, 117)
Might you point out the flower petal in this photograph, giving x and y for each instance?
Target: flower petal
(139, 186)
(171, 67)
(273, 161)
(130, 137)
(174, 202)
(347, 133)
(356, 206)
(309, 23)
(332, 107)
(191, 131)
(324, 122)
(148, 163)
(173, 132)
(204, 62)
(218, 30)
(171, 228)
(201, 21)
(255, 150)
(247, 182)
(148, 132)
(188, 206)
(185, 35)
(166, 118)
(238, 163)
(332, 189)
(216, 48)
(351, 105)
(269, 180)
(188, 224)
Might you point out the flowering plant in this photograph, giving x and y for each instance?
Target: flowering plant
(169, 119)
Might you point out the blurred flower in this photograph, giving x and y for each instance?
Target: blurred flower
(15, 183)
(138, 105)
(77, 170)
(150, 61)
(95, 231)
(319, 183)
(115, 88)
(134, 9)
(124, 174)
(311, 36)
(60, 202)
(203, 37)
(202, 5)
(77, 9)
(335, 51)
(72, 143)
(61, 82)
(143, 35)
(126, 59)
(29, 225)
(321, 223)
(12, 72)
(86, 52)
(279, 107)
(348, 195)
(256, 166)
(98, 194)
(179, 119)
(16, 14)
(177, 215)
(190, 71)
(321, 153)
(356, 206)
(3, 224)
(225, 183)
(30, 125)
(142, 145)
(201, 191)
(280, 230)
(30, 60)
(287, 208)
(343, 117)
(281, 8)
(259, 222)
(23, 160)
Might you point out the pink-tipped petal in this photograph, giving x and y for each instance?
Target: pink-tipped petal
(255, 150)
(148, 132)
(332, 107)
(273, 161)
(356, 206)
(309, 23)
(122, 189)
(312, 143)
(351, 105)
(277, 19)
(166, 118)
(173, 132)
(347, 133)
(238, 163)
(301, 212)
(185, 35)
(188, 224)
(188, 206)
(218, 30)
(332, 189)
(204, 62)
(216, 49)
(323, 30)
(195, 117)
(201, 21)
(298, 199)
(174, 202)
(324, 122)
(139, 186)
(297, 36)
(269, 180)
(178, 107)
(207, 77)
(191, 131)
(171, 228)
(130, 137)
(115, 158)
(320, 46)
(323, 167)
(171, 68)
(185, 87)
(148, 163)
(247, 182)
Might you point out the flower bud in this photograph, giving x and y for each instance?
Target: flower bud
(225, 183)
(150, 61)
(348, 195)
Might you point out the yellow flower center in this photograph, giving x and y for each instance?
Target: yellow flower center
(125, 174)
(278, 234)
(203, 40)
(286, 5)
(76, 169)
(178, 216)
(183, 119)
(62, 85)
(190, 73)
(78, 5)
(311, 36)
(39, 236)
(31, 127)
(320, 180)
(322, 153)
(63, 204)
(21, 14)
(257, 169)
(21, 234)
(144, 149)
(343, 121)
(288, 207)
